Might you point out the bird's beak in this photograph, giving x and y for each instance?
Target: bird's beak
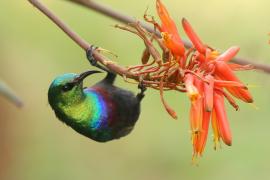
(83, 75)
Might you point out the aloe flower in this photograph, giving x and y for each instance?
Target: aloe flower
(209, 79)
(204, 74)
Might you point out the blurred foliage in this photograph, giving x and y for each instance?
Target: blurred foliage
(35, 145)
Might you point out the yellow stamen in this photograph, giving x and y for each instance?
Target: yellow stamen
(192, 93)
(213, 55)
(166, 36)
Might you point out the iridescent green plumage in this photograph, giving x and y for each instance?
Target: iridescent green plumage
(102, 112)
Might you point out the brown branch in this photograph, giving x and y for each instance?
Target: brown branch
(262, 67)
(107, 11)
(81, 42)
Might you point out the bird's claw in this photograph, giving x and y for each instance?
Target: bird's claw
(89, 55)
(92, 60)
(142, 87)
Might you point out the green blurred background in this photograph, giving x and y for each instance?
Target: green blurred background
(35, 145)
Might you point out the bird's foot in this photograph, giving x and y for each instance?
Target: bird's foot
(143, 88)
(91, 58)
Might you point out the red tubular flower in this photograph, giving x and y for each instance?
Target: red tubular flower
(229, 54)
(192, 91)
(204, 132)
(209, 93)
(193, 37)
(193, 87)
(174, 46)
(196, 116)
(221, 119)
(223, 71)
(199, 119)
(169, 31)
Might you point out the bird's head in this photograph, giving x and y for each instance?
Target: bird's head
(67, 88)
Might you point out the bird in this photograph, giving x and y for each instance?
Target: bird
(102, 112)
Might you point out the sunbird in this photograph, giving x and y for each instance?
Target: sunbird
(102, 112)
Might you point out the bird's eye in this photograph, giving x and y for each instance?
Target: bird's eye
(67, 87)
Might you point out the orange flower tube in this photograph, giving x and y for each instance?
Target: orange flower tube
(168, 26)
(229, 54)
(224, 72)
(204, 132)
(208, 93)
(193, 37)
(221, 119)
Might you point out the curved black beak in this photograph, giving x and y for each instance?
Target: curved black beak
(83, 75)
